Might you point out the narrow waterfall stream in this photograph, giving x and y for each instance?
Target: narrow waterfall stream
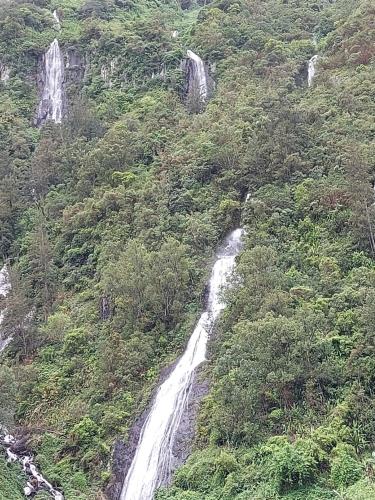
(199, 76)
(4, 290)
(51, 103)
(153, 460)
(15, 449)
(56, 20)
(311, 69)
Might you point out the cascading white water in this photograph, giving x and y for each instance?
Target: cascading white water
(36, 482)
(311, 69)
(51, 103)
(56, 19)
(5, 285)
(153, 460)
(199, 75)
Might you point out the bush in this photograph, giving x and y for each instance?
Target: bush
(84, 432)
(206, 470)
(345, 468)
(288, 465)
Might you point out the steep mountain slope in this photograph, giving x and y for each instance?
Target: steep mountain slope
(109, 221)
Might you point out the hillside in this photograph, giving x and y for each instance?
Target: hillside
(109, 221)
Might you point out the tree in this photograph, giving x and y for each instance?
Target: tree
(271, 364)
(169, 278)
(18, 321)
(41, 270)
(149, 287)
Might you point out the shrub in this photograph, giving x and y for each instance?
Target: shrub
(288, 465)
(345, 468)
(84, 432)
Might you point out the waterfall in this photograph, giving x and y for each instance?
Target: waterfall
(153, 460)
(4, 290)
(5, 285)
(56, 19)
(198, 80)
(312, 69)
(51, 103)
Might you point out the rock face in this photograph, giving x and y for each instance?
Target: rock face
(184, 439)
(75, 67)
(122, 458)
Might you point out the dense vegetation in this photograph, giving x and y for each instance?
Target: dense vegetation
(11, 481)
(110, 220)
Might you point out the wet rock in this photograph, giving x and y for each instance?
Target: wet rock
(75, 66)
(122, 457)
(184, 440)
(105, 309)
(19, 446)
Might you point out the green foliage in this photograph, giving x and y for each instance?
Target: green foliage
(345, 468)
(110, 221)
(84, 432)
(8, 391)
(11, 481)
(288, 465)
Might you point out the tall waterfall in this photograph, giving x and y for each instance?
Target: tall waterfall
(51, 103)
(312, 69)
(198, 81)
(153, 460)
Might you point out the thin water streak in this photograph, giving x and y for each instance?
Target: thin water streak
(312, 69)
